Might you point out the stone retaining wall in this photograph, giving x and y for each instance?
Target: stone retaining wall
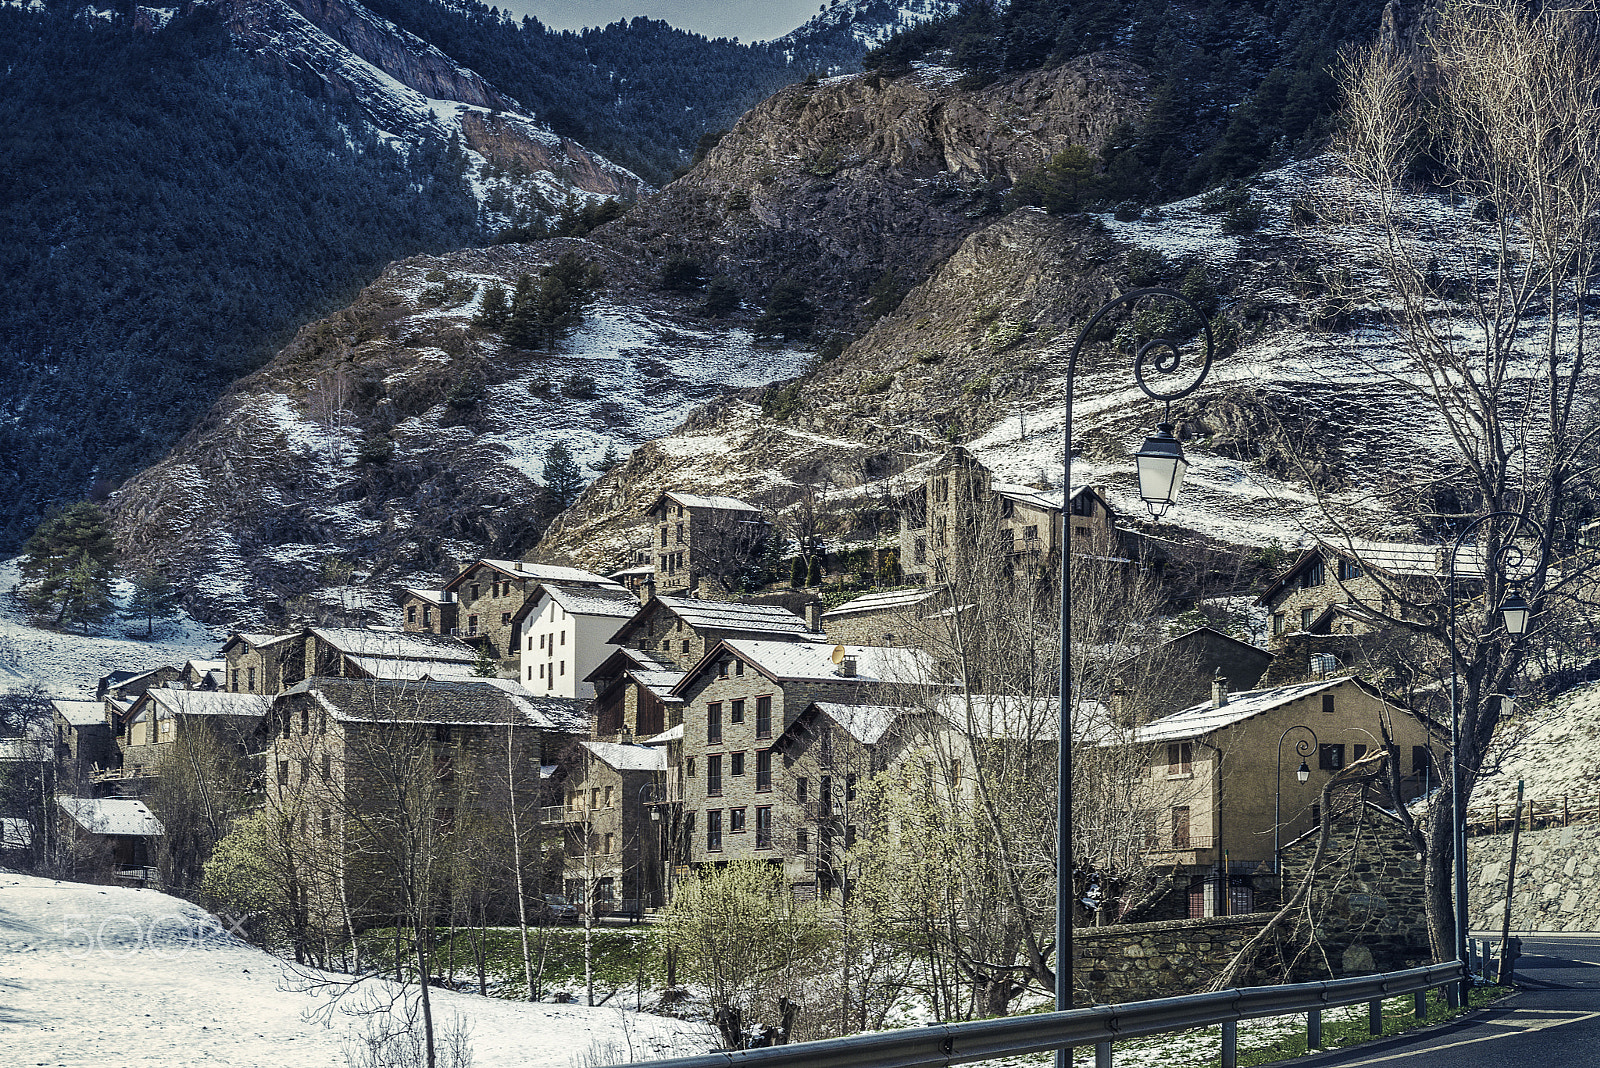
(1136, 961)
(1558, 880)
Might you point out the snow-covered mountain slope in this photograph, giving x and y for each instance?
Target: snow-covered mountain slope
(1551, 749)
(102, 975)
(868, 22)
(412, 91)
(356, 444)
(69, 664)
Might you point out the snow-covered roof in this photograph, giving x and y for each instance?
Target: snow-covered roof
(81, 713)
(695, 500)
(608, 600)
(654, 675)
(1205, 718)
(571, 576)
(436, 597)
(640, 570)
(259, 641)
(396, 645)
(1027, 495)
(671, 734)
(111, 815)
(202, 667)
(384, 668)
(628, 757)
(809, 661)
(171, 703)
(464, 702)
(727, 616)
(889, 600)
(867, 724)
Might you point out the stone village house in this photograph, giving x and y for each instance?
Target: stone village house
(1215, 773)
(742, 794)
(615, 835)
(148, 731)
(937, 518)
(271, 664)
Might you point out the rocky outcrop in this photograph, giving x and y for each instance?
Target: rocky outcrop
(835, 182)
(516, 143)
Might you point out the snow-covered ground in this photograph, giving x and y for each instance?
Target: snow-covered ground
(113, 977)
(69, 664)
(1552, 749)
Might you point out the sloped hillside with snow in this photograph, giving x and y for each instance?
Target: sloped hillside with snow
(1553, 749)
(100, 975)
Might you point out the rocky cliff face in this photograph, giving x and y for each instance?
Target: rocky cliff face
(338, 50)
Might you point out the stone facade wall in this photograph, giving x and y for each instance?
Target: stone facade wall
(1136, 961)
(1558, 879)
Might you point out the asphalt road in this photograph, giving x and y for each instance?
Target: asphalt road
(1553, 1021)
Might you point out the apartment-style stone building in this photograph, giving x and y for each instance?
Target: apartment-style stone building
(615, 829)
(737, 703)
(488, 594)
(696, 535)
(938, 519)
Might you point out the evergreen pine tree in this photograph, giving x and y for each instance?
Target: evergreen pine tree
(722, 297)
(153, 598)
(563, 481)
(485, 667)
(495, 311)
(608, 461)
(814, 578)
(66, 566)
(797, 573)
(788, 312)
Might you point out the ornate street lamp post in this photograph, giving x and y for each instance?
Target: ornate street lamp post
(1514, 615)
(1161, 467)
(1303, 748)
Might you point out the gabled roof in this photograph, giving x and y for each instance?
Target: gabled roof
(1204, 718)
(726, 617)
(438, 598)
(517, 569)
(171, 703)
(611, 600)
(867, 724)
(81, 713)
(1323, 623)
(671, 734)
(812, 662)
(889, 600)
(1206, 631)
(385, 668)
(111, 815)
(1392, 558)
(256, 641)
(694, 500)
(627, 757)
(396, 645)
(654, 675)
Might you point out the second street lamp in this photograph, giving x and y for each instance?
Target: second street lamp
(1161, 467)
(1514, 614)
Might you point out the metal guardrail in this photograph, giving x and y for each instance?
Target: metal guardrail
(1099, 1026)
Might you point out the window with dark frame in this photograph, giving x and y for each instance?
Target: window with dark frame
(1180, 758)
(736, 712)
(764, 769)
(736, 763)
(1330, 757)
(764, 828)
(763, 717)
(1180, 827)
(736, 821)
(714, 831)
(714, 723)
(802, 790)
(714, 775)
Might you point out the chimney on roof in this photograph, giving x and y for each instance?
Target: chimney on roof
(1119, 704)
(814, 616)
(1219, 689)
(519, 565)
(647, 589)
(847, 667)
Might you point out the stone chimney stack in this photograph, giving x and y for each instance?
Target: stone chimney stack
(647, 590)
(814, 617)
(1219, 690)
(1119, 704)
(847, 667)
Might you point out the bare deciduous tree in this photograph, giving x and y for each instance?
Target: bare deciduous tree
(1493, 324)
